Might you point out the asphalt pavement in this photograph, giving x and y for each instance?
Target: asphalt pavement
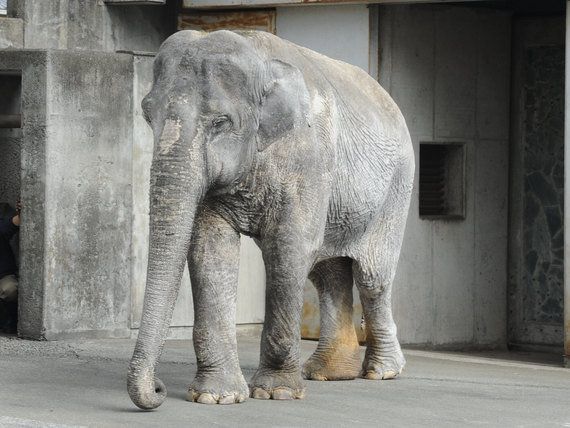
(82, 383)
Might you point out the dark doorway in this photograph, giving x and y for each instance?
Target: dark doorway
(10, 160)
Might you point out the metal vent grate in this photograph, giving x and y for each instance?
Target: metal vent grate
(441, 180)
(432, 179)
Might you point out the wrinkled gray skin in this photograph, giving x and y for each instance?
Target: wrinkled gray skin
(309, 156)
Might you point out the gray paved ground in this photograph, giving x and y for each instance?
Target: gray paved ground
(83, 383)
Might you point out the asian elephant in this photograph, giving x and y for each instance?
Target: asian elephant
(311, 158)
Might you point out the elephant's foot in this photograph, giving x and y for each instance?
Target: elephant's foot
(335, 361)
(277, 385)
(218, 389)
(384, 363)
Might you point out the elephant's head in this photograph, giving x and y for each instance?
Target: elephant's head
(215, 105)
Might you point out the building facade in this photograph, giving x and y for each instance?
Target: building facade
(481, 85)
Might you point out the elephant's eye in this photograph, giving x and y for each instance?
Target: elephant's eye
(221, 123)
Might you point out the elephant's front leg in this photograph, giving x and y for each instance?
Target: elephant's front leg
(213, 263)
(279, 372)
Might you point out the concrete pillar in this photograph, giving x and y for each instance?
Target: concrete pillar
(76, 159)
(567, 198)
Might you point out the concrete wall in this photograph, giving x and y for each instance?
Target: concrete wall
(448, 69)
(88, 193)
(93, 25)
(76, 189)
(11, 32)
(319, 28)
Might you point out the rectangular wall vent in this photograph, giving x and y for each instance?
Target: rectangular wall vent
(442, 180)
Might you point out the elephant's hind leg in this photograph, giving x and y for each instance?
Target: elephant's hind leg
(337, 356)
(374, 270)
(213, 262)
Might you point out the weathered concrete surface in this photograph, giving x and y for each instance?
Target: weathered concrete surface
(88, 193)
(92, 25)
(83, 384)
(448, 69)
(76, 191)
(11, 33)
(537, 183)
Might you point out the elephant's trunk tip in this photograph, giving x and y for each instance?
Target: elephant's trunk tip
(146, 390)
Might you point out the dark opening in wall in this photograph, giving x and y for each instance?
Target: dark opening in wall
(10, 171)
(442, 180)
(10, 99)
(10, 142)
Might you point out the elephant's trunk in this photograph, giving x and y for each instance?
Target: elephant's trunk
(176, 191)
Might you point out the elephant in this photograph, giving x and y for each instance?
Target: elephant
(309, 156)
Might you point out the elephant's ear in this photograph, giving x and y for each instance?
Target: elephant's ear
(284, 104)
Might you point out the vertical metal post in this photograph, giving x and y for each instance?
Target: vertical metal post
(567, 196)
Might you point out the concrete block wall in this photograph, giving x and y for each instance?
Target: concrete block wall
(448, 69)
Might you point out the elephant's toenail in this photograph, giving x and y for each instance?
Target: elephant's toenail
(260, 394)
(228, 399)
(282, 394)
(372, 375)
(191, 395)
(206, 399)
